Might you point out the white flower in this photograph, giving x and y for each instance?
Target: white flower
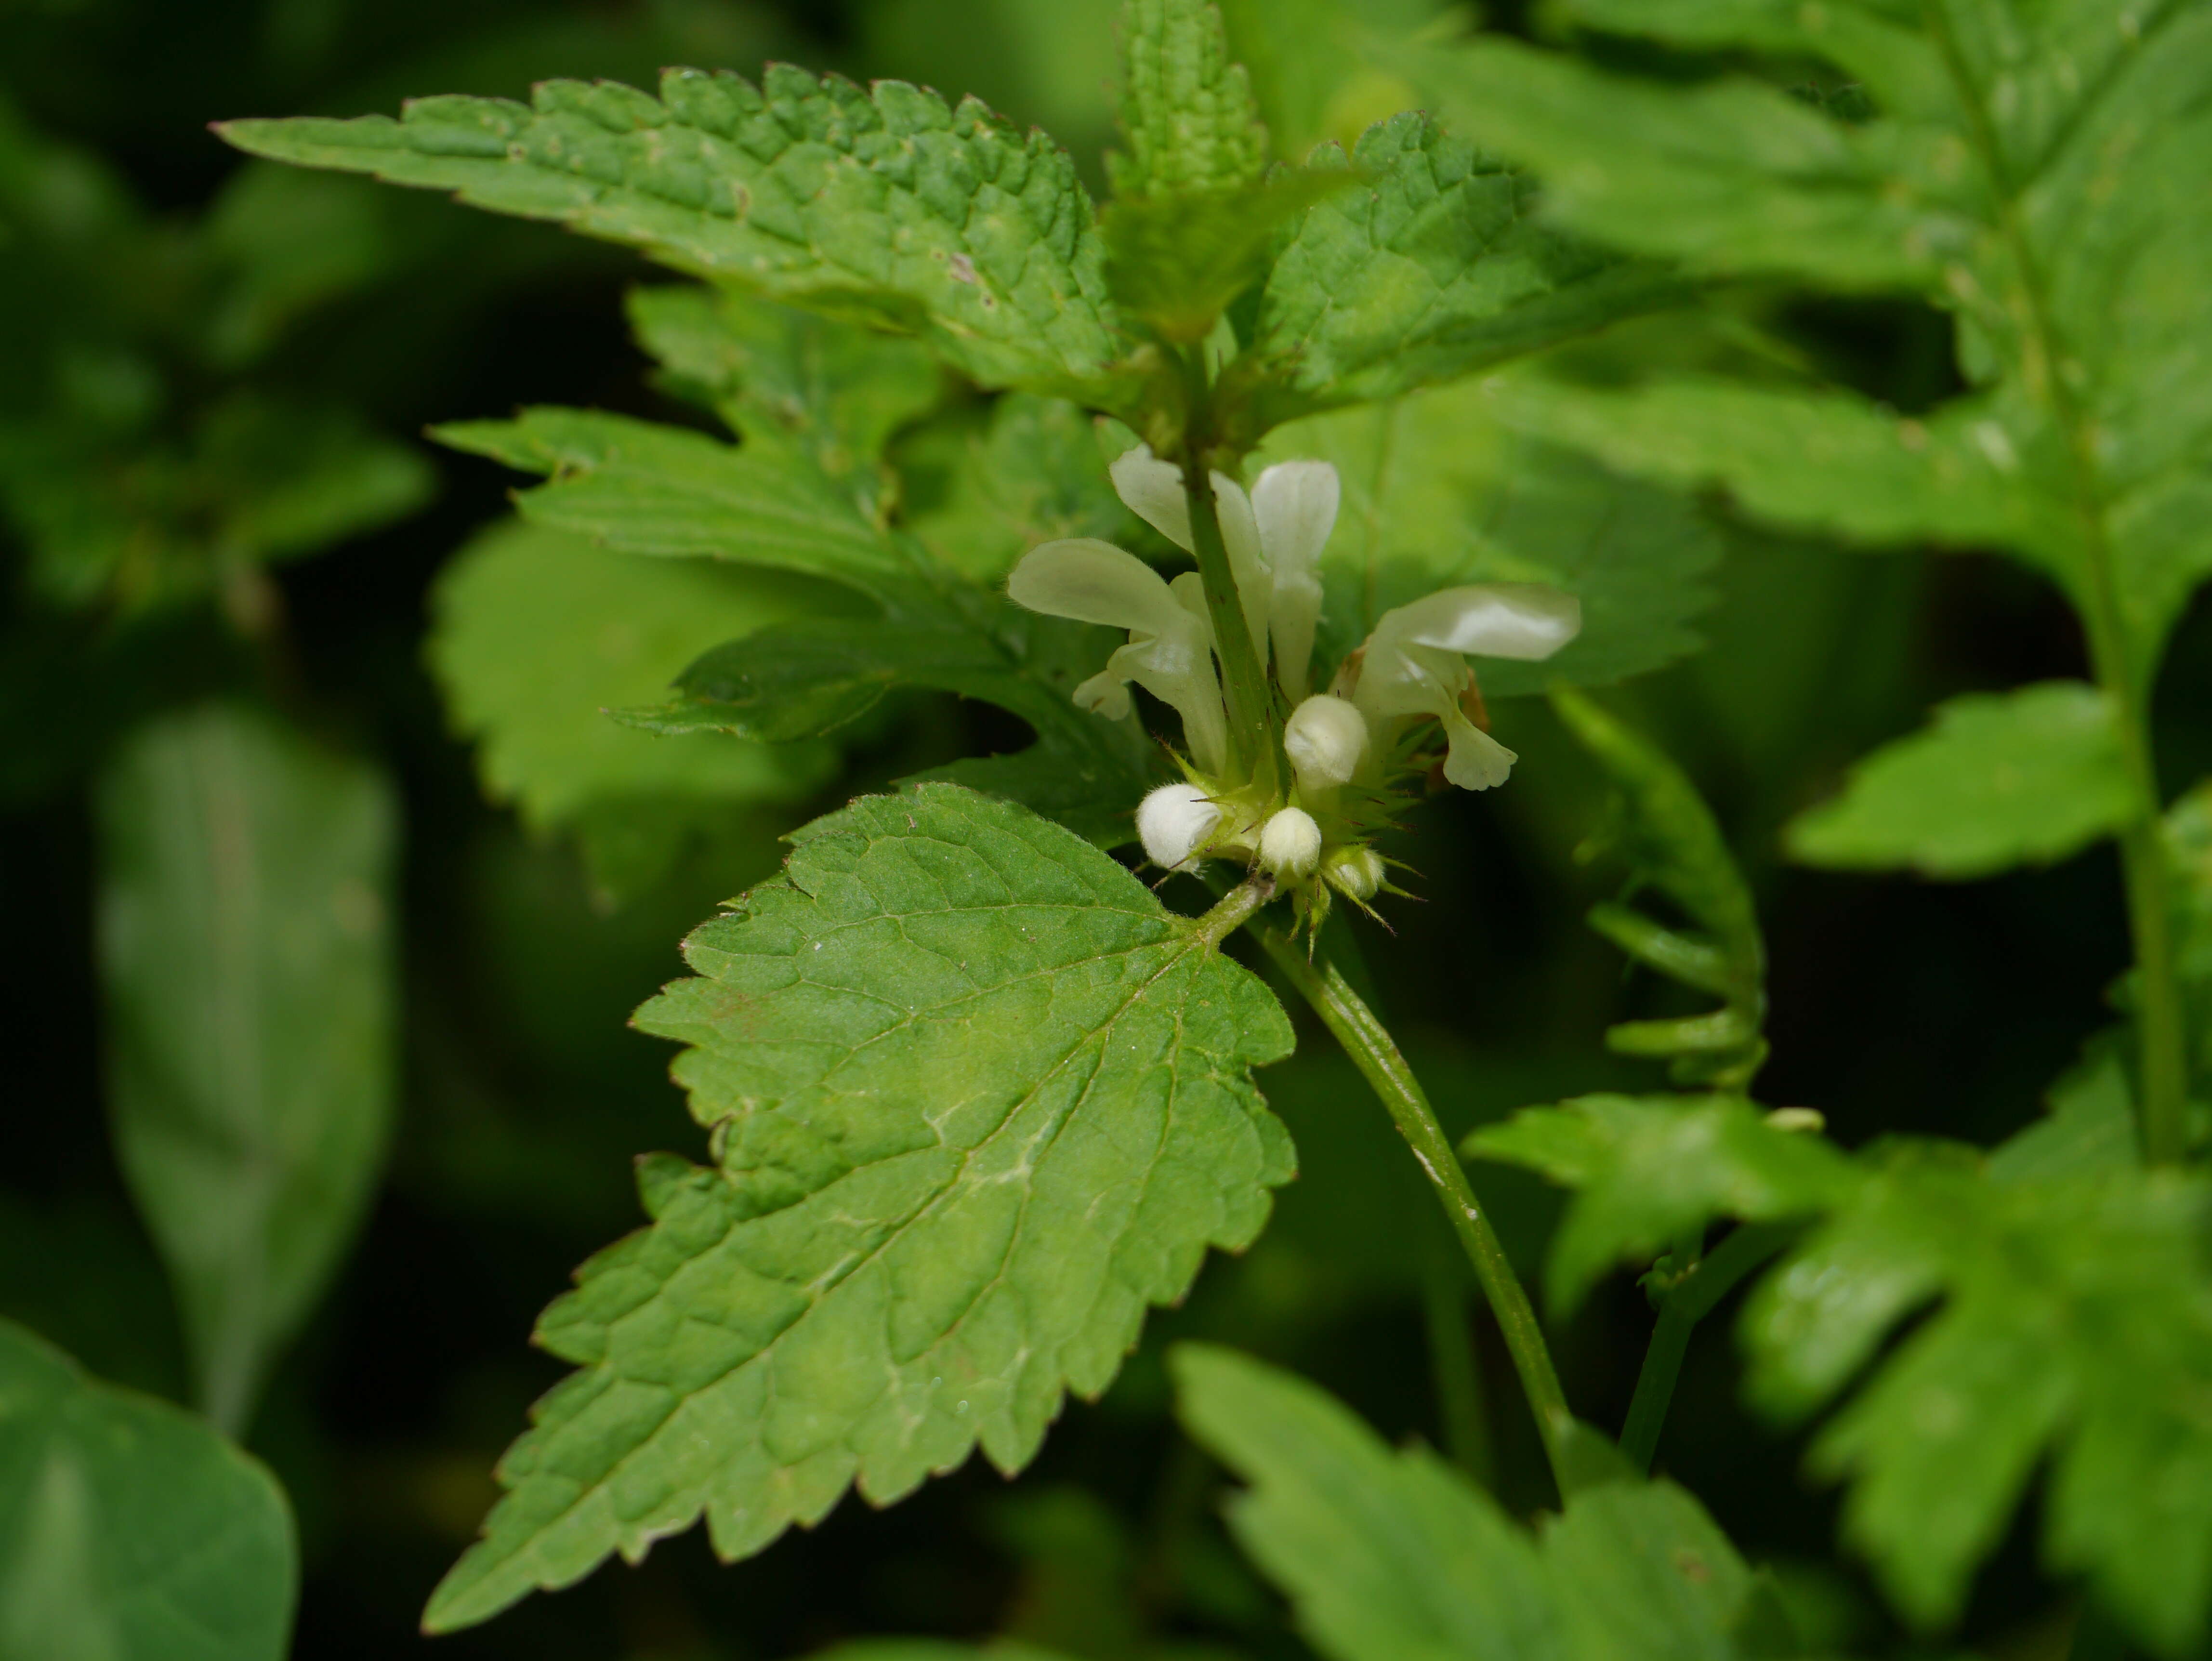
(1326, 739)
(1412, 664)
(1289, 844)
(1170, 650)
(1274, 538)
(1173, 820)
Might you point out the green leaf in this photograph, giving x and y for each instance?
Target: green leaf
(935, 1649)
(786, 381)
(129, 1530)
(1434, 266)
(882, 205)
(2021, 171)
(535, 635)
(141, 523)
(1828, 462)
(1176, 262)
(1731, 175)
(2071, 1324)
(2188, 846)
(1038, 472)
(644, 488)
(1647, 1169)
(1436, 492)
(1660, 826)
(2091, 1126)
(1395, 1556)
(977, 1100)
(1998, 781)
(1187, 116)
(2074, 1327)
(808, 679)
(246, 963)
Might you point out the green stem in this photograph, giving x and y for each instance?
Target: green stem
(2161, 1029)
(1376, 1057)
(1461, 1403)
(1655, 1387)
(1687, 1302)
(1234, 909)
(1243, 682)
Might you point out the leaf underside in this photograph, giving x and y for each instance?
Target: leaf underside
(977, 1099)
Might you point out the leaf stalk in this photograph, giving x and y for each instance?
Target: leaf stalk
(1688, 1301)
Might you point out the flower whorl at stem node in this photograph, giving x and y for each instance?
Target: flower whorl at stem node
(1357, 749)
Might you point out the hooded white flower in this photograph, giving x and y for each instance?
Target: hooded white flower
(1326, 739)
(1273, 537)
(1172, 821)
(1169, 652)
(1415, 663)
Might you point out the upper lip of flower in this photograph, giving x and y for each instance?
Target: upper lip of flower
(1414, 663)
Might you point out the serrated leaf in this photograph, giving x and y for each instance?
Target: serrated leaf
(1436, 492)
(1188, 116)
(882, 204)
(2091, 1126)
(2189, 847)
(1828, 462)
(644, 488)
(1175, 263)
(535, 635)
(1431, 266)
(2018, 168)
(2075, 1326)
(129, 1529)
(977, 1099)
(1731, 174)
(1646, 1170)
(1391, 1555)
(1037, 473)
(1660, 827)
(1998, 781)
(247, 965)
(781, 379)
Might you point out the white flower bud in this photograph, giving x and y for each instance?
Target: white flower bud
(1173, 820)
(1325, 739)
(1357, 871)
(1289, 844)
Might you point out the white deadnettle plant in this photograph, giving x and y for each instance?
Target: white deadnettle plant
(1351, 749)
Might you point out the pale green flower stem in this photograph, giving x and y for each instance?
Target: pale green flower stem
(1252, 739)
(1376, 1057)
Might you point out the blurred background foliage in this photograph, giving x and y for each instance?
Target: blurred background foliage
(214, 376)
